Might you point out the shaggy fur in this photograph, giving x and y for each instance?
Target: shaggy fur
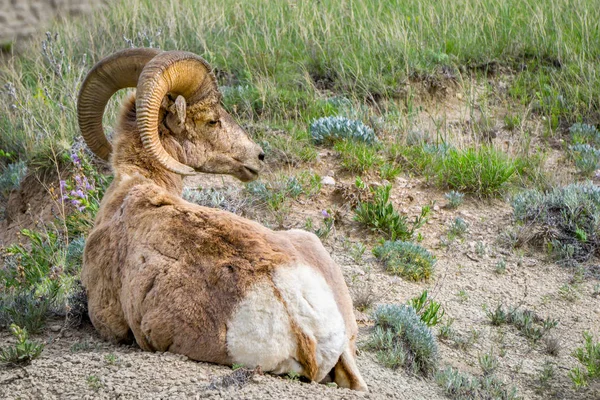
(202, 282)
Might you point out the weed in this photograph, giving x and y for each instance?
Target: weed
(357, 251)
(380, 216)
(389, 171)
(430, 311)
(446, 330)
(363, 295)
(458, 385)
(328, 224)
(589, 357)
(23, 351)
(552, 345)
(546, 375)
(457, 228)
(584, 134)
(527, 322)
(569, 292)
(406, 259)
(111, 359)
(454, 198)
(11, 176)
(25, 309)
(94, 382)
(500, 267)
(498, 316)
(401, 338)
(293, 376)
(567, 220)
(83, 345)
(511, 122)
(586, 158)
(488, 363)
(329, 130)
(462, 295)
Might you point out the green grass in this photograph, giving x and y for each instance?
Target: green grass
(277, 56)
(589, 357)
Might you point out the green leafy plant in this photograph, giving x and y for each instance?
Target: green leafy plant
(589, 356)
(406, 259)
(430, 311)
(358, 157)
(380, 216)
(23, 351)
(457, 228)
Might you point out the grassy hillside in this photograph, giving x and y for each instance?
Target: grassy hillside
(282, 57)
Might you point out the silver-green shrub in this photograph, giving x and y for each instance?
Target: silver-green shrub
(328, 130)
(401, 338)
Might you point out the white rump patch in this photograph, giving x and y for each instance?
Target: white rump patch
(260, 333)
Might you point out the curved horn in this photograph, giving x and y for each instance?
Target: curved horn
(117, 71)
(176, 72)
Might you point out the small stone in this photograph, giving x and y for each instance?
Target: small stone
(328, 180)
(55, 328)
(436, 208)
(330, 173)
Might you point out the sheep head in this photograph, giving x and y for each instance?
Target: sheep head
(178, 91)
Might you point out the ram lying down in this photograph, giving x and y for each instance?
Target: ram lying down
(174, 276)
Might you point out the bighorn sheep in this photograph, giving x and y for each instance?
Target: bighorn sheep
(193, 280)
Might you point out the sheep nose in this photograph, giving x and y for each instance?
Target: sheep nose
(261, 156)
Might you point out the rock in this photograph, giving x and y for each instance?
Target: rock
(328, 180)
(55, 328)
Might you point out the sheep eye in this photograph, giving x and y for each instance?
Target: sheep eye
(213, 123)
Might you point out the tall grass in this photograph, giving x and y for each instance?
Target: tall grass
(285, 51)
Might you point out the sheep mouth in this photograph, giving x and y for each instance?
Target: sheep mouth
(250, 173)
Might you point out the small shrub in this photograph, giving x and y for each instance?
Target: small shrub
(584, 134)
(500, 267)
(430, 311)
(589, 356)
(458, 385)
(329, 130)
(389, 171)
(380, 216)
(457, 228)
(566, 220)
(454, 199)
(498, 316)
(488, 363)
(11, 176)
(402, 339)
(229, 199)
(406, 259)
(25, 309)
(586, 158)
(23, 351)
(363, 295)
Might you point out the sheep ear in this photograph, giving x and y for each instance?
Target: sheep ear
(180, 109)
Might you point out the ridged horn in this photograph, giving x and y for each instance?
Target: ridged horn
(117, 71)
(178, 73)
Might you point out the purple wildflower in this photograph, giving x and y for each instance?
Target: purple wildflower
(75, 159)
(81, 208)
(63, 185)
(76, 203)
(79, 193)
(325, 214)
